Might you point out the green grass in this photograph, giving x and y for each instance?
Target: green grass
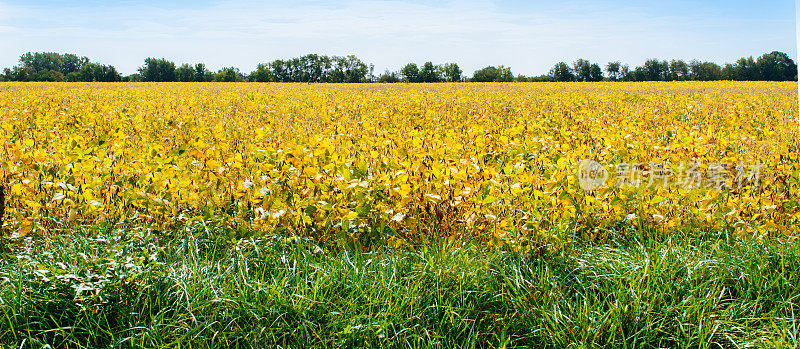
(211, 287)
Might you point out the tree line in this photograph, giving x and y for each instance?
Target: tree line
(50, 66)
(773, 66)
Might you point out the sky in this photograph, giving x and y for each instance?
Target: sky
(528, 36)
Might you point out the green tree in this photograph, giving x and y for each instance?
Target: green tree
(157, 70)
(540, 78)
(46, 61)
(135, 77)
(185, 73)
(704, 71)
(388, 77)
(45, 66)
(493, 74)
(595, 73)
(625, 73)
(355, 70)
(613, 70)
(93, 72)
(410, 73)
(313, 68)
(582, 70)
(310, 68)
(745, 69)
(46, 75)
(262, 74)
(487, 74)
(229, 74)
(654, 70)
(504, 74)
(202, 74)
(280, 71)
(451, 72)
(562, 72)
(428, 73)
(678, 70)
(776, 66)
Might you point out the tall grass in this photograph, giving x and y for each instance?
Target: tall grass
(211, 287)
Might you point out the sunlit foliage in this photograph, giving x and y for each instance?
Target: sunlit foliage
(496, 161)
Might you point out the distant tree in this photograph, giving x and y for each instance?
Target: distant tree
(639, 74)
(745, 69)
(336, 73)
(540, 78)
(49, 66)
(355, 70)
(338, 70)
(313, 68)
(704, 71)
(428, 73)
(493, 74)
(595, 73)
(730, 72)
(388, 77)
(46, 75)
(14, 74)
(135, 77)
(562, 72)
(229, 74)
(613, 70)
(157, 70)
(308, 68)
(46, 61)
(651, 70)
(201, 73)
(654, 70)
(410, 73)
(185, 73)
(678, 70)
(451, 72)
(587, 71)
(582, 70)
(261, 74)
(279, 70)
(45, 66)
(93, 72)
(776, 66)
(504, 74)
(487, 74)
(625, 73)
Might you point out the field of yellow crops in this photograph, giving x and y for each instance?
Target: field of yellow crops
(496, 161)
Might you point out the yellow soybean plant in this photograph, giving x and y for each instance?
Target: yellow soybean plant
(498, 161)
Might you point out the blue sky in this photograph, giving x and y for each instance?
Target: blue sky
(528, 36)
